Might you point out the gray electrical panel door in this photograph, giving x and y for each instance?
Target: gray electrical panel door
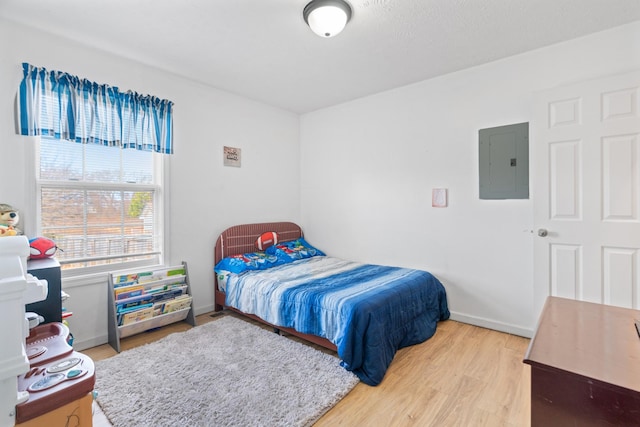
(504, 162)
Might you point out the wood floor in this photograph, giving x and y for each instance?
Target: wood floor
(463, 376)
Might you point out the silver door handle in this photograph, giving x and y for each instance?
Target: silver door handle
(542, 232)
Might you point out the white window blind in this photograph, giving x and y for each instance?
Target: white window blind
(100, 204)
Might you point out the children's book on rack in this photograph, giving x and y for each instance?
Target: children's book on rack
(143, 300)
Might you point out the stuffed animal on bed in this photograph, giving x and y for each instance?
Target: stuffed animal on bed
(9, 219)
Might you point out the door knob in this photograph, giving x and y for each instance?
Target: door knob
(542, 232)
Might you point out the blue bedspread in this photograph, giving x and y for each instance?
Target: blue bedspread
(367, 311)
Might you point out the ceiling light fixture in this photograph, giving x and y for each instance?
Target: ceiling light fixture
(327, 18)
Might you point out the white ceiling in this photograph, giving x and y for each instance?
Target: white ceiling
(263, 50)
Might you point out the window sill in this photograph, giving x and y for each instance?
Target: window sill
(80, 277)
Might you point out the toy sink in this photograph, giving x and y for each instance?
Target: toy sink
(47, 331)
(46, 342)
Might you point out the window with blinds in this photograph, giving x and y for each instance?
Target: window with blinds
(100, 204)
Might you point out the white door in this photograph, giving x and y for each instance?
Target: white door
(586, 174)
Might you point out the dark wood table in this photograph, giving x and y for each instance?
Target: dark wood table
(585, 365)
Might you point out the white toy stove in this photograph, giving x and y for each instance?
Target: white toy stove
(17, 288)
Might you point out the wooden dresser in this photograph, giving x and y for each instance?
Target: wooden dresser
(585, 365)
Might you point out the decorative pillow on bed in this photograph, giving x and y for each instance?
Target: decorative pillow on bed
(249, 261)
(294, 250)
(267, 239)
(223, 276)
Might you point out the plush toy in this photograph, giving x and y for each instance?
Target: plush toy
(7, 231)
(41, 247)
(9, 219)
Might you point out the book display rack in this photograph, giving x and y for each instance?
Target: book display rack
(148, 299)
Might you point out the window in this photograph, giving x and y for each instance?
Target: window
(99, 172)
(101, 205)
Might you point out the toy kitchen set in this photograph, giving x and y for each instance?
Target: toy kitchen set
(43, 381)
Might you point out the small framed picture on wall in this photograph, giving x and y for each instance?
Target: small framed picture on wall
(232, 156)
(439, 198)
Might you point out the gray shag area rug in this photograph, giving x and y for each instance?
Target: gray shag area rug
(227, 372)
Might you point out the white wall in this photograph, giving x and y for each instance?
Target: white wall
(368, 168)
(205, 197)
(359, 182)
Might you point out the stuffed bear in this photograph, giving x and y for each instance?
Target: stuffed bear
(9, 219)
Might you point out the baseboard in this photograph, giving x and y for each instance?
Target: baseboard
(458, 317)
(203, 309)
(90, 343)
(104, 339)
(492, 324)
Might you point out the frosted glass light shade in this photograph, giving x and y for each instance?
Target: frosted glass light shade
(327, 18)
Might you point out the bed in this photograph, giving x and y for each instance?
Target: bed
(364, 312)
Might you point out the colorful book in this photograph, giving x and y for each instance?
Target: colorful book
(133, 303)
(179, 303)
(124, 309)
(128, 292)
(136, 316)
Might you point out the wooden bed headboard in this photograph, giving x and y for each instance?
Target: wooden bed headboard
(241, 239)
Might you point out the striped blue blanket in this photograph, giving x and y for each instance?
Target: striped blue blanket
(367, 311)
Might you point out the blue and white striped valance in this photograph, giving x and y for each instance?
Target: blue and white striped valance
(63, 106)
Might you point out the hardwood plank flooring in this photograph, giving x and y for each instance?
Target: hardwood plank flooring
(463, 376)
